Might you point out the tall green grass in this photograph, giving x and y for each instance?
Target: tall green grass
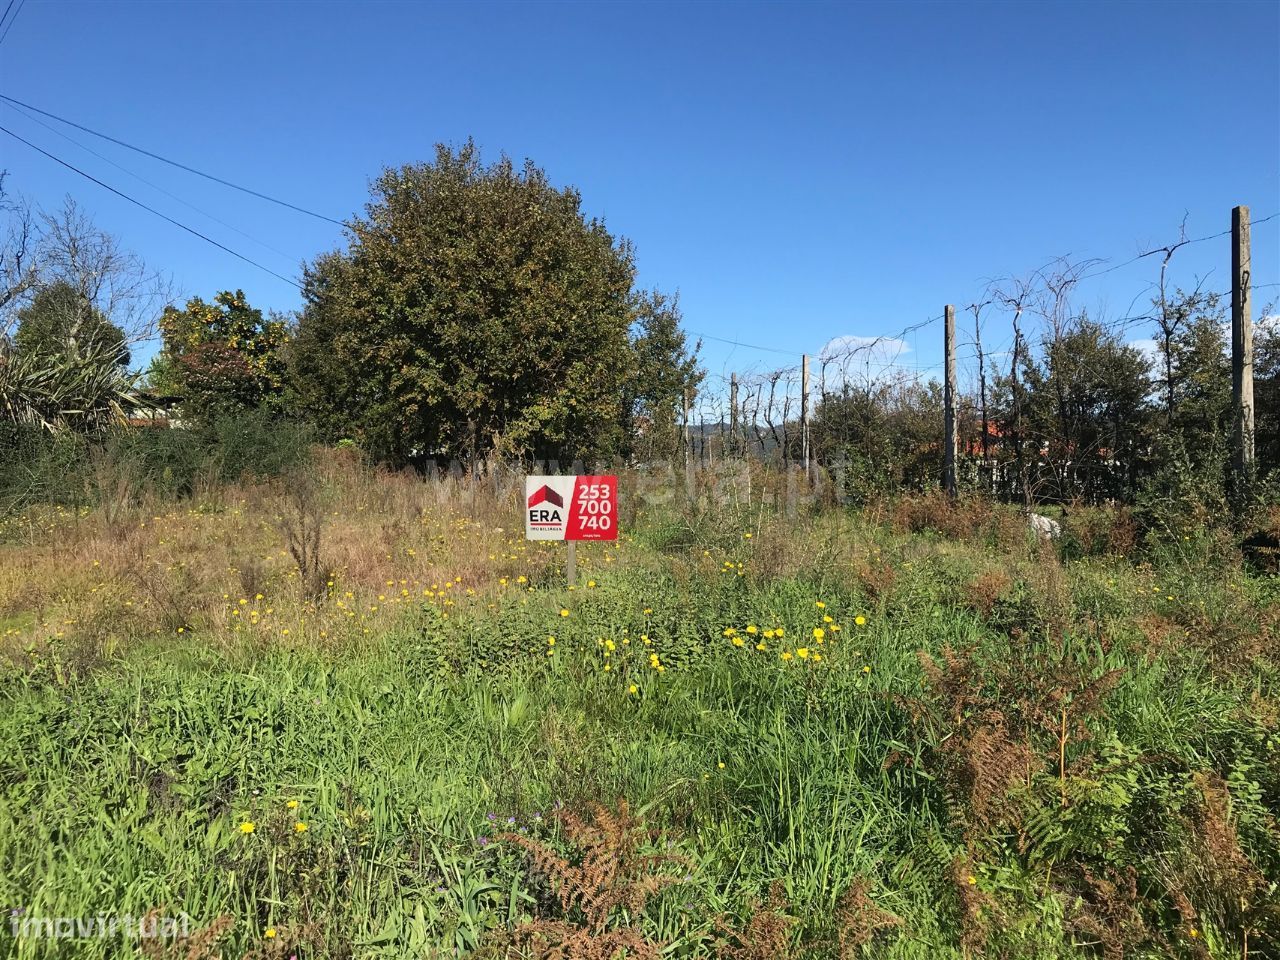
(125, 788)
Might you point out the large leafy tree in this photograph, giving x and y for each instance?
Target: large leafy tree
(1198, 380)
(1087, 405)
(221, 358)
(60, 318)
(478, 310)
(665, 371)
(70, 301)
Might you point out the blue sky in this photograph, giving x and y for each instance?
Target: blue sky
(798, 172)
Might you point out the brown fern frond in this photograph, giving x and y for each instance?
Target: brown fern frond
(604, 875)
(558, 940)
(765, 936)
(1111, 914)
(978, 909)
(859, 919)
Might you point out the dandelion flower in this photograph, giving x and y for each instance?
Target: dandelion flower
(269, 933)
(292, 804)
(802, 652)
(819, 633)
(564, 612)
(860, 620)
(247, 827)
(299, 827)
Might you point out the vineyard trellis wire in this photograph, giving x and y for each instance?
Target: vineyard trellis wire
(756, 410)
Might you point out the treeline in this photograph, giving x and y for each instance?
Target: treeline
(1080, 414)
(474, 311)
(1074, 412)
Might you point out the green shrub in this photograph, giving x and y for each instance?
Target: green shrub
(258, 445)
(37, 466)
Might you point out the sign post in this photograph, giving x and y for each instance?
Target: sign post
(571, 509)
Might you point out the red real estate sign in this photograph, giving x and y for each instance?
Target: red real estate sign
(571, 508)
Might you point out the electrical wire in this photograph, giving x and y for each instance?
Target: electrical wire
(139, 203)
(153, 186)
(173, 163)
(9, 26)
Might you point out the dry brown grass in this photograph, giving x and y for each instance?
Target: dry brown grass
(984, 591)
(228, 570)
(966, 518)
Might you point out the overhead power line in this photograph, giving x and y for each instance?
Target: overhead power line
(739, 343)
(139, 203)
(154, 186)
(173, 163)
(5, 16)
(6, 27)
(868, 345)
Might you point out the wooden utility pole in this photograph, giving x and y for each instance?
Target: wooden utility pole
(1241, 346)
(733, 415)
(949, 404)
(804, 413)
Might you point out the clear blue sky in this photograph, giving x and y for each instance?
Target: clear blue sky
(798, 172)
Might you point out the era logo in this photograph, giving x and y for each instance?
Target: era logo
(547, 514)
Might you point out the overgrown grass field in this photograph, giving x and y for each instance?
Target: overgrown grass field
(752, 731)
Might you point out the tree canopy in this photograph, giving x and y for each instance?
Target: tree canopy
(477, 310)
(221, 358)
(60, 317)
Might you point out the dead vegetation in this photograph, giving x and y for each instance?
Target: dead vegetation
(601, 885)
